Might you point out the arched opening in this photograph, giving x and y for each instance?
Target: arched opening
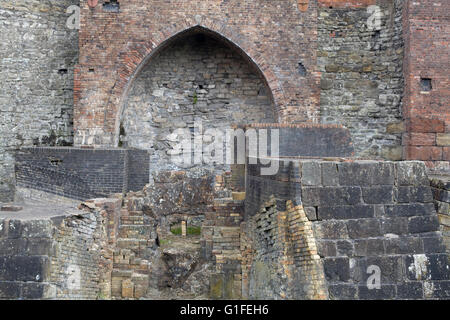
(196, 77)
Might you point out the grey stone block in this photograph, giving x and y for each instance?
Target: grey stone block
(379, 210)
(345, 248)
(24, 268)
(40, 247)
(412, 173)
(34, 291)
(9, 290)
(10, 247)
(14, 229)
(325, 196)
(397, 225)
(411, 209)
(343, 291)
(326, 248)
(369, 247)
(336, 269)
(378, 194)
(427, 267)
(358, 270)
(441, 290)
(37, 229)
(311, 213)
(410, 290)
(330, 176)
(433, 244)
(403, 245)
(315, 142)
(355, 174)
(392, 270)
(363, 228)
(384, 173)
(439, 266)
(346, 212)
(311, 174)
(331, 230)
(423, 224)
(414, 194)
(441, 195)
(386, 292)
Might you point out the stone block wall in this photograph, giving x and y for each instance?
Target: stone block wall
(426, 109)
(82, 173)
(194, 80)
(38, 55)
(379, 216)
(295, 141)
(63, 257)
(24, 259)
(279, 255)
(365, 215)
(361, 63)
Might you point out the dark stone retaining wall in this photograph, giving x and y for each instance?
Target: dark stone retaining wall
(65, 257)
(363, 213)
(82, 173)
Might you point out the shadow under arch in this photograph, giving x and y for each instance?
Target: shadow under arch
(180, 35)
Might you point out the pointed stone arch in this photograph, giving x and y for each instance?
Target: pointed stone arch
(135, 55)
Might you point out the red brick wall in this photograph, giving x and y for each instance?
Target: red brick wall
(275, 35)
(427, 113)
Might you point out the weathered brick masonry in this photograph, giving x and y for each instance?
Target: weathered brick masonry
(82, 173)
(427, 82)
(319, 60)
(360, 63)
(314, 230)
(114, 47)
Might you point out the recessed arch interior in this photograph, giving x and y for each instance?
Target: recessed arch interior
(185, 33)
(195, 75)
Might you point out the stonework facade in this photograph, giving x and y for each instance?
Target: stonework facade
(361, 75)
(354, 90)
(343, 62)
(140, 28)
(426, 107)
